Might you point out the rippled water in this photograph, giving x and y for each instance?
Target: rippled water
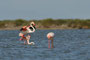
(69, 45)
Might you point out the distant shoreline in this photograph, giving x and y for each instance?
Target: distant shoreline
(37, 28)
(46, 24)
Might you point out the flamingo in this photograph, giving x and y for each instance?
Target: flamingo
(25, 30)
(50, 36)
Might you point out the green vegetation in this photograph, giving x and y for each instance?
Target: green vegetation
(47, 23)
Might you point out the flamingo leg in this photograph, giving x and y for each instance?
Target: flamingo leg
(52, 44)
(48, 43)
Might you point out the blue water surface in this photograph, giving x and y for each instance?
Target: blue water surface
(73, 44)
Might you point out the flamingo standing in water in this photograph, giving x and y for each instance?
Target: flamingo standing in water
(50, 37)
(25, 30)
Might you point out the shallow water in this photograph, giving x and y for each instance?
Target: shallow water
(69, 45)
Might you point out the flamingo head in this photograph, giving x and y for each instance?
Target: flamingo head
(32, 23)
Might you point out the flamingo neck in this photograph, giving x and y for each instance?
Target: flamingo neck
(32, 27)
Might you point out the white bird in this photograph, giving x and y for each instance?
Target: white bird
(50, 35)
(50, 38)
(25, 30)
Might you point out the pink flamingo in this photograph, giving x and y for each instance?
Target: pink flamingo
(25, 30)
(50, 37)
